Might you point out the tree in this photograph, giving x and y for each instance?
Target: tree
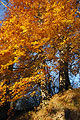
(33, 33)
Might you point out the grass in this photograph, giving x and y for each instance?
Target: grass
(62, 106)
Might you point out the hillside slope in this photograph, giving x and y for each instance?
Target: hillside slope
(62, 106)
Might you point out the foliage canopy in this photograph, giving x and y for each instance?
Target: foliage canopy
(32, 33)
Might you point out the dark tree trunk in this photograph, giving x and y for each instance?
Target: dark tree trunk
(64, 81)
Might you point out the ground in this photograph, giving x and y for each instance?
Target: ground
(62, 106)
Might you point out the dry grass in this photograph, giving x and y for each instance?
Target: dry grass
(62, 106)
(59, 105)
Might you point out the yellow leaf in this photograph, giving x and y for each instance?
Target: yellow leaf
(13, 19)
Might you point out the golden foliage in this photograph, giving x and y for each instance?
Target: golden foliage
(28, 29)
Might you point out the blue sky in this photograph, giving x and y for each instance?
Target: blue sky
(2, 10)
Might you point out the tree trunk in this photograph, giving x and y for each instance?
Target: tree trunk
(64, 81)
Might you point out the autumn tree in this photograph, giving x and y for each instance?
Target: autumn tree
(32, 33)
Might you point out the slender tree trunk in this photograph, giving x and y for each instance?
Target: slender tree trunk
(64, 81)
